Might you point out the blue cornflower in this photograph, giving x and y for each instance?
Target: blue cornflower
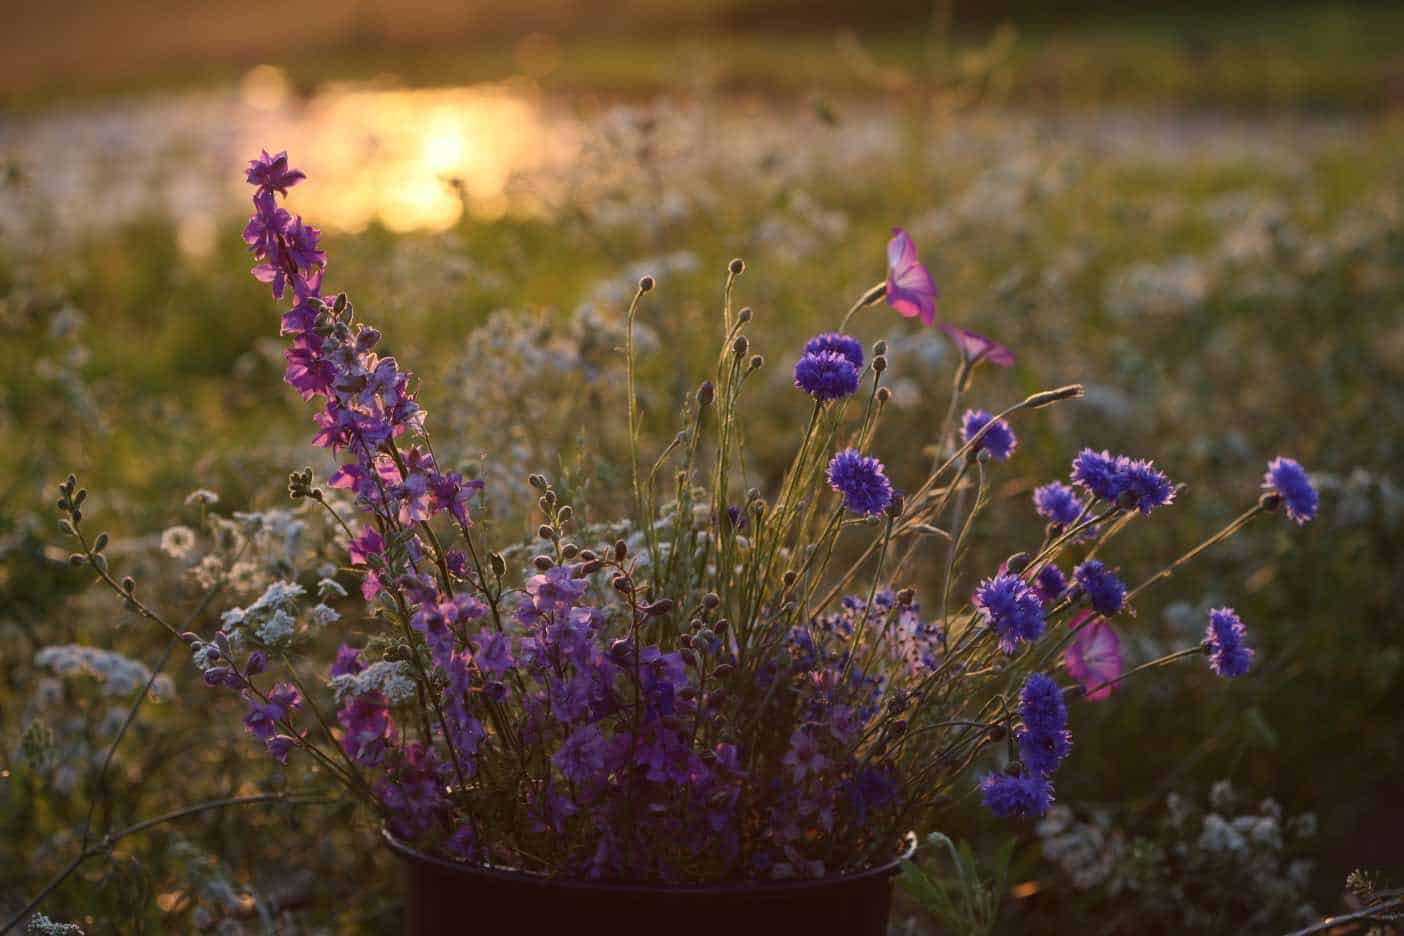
(1057, 503)
(838, 343)
(1289, 481)
(1044, 739)
(1104, 590)
(861, 480)
(1109, 477)
(1145, 484)
(1096, 472)
(1050, 583)
(999, 440)
(1009, 796)
(827, 375)
(1228, 655)
(1011, 609)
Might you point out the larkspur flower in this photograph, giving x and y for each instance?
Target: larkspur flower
(998, 440)
(1104, 590)
(837, 343)
(828, 375)
(975, 348)
(1229, 656)
(804, 757)
(1009, 796)
(1043, 739)
(272, 173)
(861, 480)
(1094, 656)
(910, 289)
(1011, 609)
(1289, 481)
(1057, 503)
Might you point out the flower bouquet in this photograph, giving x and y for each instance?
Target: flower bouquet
(736, 711)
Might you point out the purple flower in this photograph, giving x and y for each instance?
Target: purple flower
(1044, 739)
(862, 482)
(998, 439)
(1009, 796)
(804, 758)
(975, 348)
(1094, 656)
(494, 654)
(582, 757)
(1057, 503)
(279, 746)
(1289, 480)
(1109, 477)
(347, 662)
(1011, 609)
(1104, 590)
(1228, 655)
(1096, 472)
(368, 544)
(367, 728)
(1050, 583)
(828, 375)
(271, 173)
(1145, 485)
(910, 289)
(837, 343)
(555, 590)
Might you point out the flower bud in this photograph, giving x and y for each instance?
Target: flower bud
(905, 597)
(737, 267)
(543, 562)
(789, 578)
(1017, 562)
(589, 555)
(724, 670)
(706, 393)
(659, 608)
(499, 565)
(1047, 397)
(879, 363)
(879, 347)
(741, 345)
(1270, 500)
(564, 514)
(711, 600)
(621, 550)
(757, 362)
(620, 582)
(645, 283)
(570, 550)
(883, 395)
(744, 315)
(545, 532)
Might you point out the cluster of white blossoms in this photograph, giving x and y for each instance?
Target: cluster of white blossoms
(388, 677)
(119, 675)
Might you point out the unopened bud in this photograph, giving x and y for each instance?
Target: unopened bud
(1017, 562)
(711, 600)
(645, 283)
(706, 393)
(543, 562)
(741, 345)
(879, 347)
(744, 315)
(757, 362)
(570, 550)
(545, 532)
(621, 550)
(883, 395)
(737, 267)
(1070, 392)
(880, 363)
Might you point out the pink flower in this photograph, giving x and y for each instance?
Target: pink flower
(910, 289)
(975, 347)
(1094, 656)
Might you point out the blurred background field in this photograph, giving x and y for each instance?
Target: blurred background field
(1197, 215)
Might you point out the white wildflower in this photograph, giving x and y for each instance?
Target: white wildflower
(277, 628)
(321, 615)
(178, 542)
(201, 496)
(119, 674)
(276, 596)
(389, 677)
(40, 925)
(1218, 835)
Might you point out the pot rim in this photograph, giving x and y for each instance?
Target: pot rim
(516, 876)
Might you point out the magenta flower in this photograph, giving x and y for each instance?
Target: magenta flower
(975, 348)
(1094, 656)
(271, 173)
(910, 289)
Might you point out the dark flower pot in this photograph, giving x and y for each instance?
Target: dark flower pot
(446, 897)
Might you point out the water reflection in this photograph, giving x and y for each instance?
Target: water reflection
(410, 159)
